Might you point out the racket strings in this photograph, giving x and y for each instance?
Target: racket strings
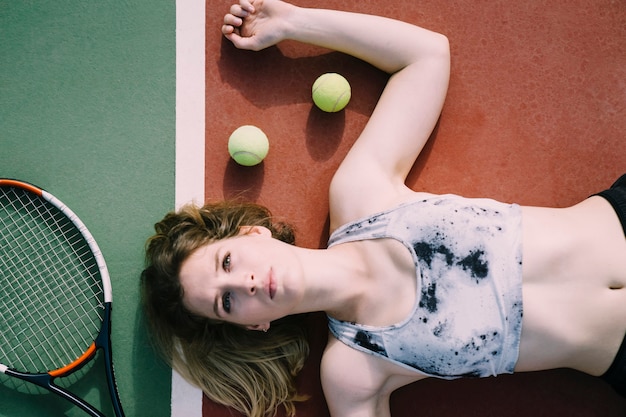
(52, 298)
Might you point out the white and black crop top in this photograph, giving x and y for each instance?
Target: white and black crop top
(467, 319)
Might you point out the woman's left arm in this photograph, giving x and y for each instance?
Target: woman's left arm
(372, 176)
(374, 171)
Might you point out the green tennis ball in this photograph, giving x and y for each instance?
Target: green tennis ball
(331, 92)
(248, 145)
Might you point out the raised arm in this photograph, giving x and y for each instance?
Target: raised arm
(372, 175)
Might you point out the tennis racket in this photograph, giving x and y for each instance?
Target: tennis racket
(55, 293)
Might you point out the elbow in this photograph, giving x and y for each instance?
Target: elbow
(433, 48)
(438, 56)
(441, 46)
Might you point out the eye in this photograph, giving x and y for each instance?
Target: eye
(226, 263)
(226, 302)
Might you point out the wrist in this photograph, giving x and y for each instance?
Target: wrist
(291, 16)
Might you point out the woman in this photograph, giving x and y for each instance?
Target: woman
(430, 286)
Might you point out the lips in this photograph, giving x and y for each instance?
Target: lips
(271, 286)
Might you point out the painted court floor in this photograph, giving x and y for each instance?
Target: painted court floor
(536, 114)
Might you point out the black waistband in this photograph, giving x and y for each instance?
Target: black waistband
(616, 196)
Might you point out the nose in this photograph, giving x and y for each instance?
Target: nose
(249, 284)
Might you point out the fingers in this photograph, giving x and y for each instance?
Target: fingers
(234, 27)
(241, 42)
(234, 19)
(241, 10)
(231, 29)
(247, 5)
(238, 10)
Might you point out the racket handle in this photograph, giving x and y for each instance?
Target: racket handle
(45, 381)
(103, 341)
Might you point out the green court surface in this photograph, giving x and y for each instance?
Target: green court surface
(87, 112)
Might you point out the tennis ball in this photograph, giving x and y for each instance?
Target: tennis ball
(248, 145)
(331, 92)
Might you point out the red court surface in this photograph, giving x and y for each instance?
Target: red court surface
(536, 114)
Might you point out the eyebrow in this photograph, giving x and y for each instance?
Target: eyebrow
(215, 302)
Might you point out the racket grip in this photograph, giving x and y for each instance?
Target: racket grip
(45, 381)
(104, 342)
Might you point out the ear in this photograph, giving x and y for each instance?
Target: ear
(259, 327)
(255, 230)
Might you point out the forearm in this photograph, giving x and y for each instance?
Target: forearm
(388, 44)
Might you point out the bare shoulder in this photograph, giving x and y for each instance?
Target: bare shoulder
(358, 384)
(348, 370)
(355, 193)
(354, 196)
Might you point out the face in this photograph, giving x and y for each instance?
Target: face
(250, 279)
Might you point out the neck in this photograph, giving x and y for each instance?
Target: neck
(333, 279)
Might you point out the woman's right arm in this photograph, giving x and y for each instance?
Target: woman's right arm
(357, 384)
(352, 386)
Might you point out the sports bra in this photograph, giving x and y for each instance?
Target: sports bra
(467, 318)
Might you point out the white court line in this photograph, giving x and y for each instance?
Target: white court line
(190, 90)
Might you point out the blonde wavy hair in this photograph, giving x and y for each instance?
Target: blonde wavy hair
(250, 371)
